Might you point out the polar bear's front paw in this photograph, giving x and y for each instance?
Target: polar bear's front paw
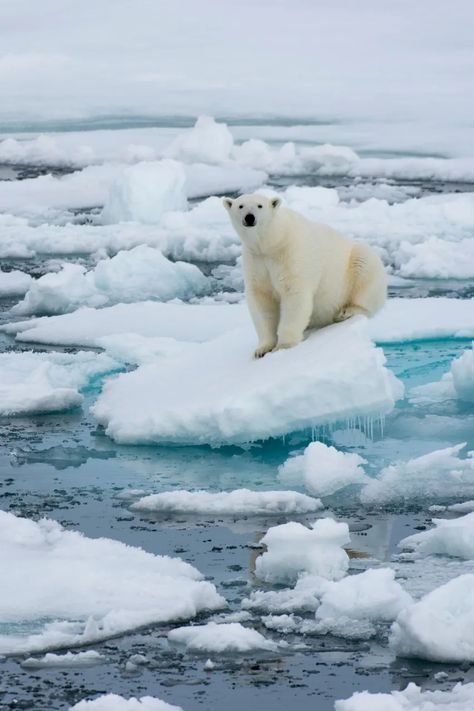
(263, 349)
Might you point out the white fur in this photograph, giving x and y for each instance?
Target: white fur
(300, 274)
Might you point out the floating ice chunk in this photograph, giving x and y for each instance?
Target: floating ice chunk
(458, 382)
(207, 142)
(240, 501)
(58, 661)
(437, 258)
(303, 597)
(14, 283)
(341, 626)
(461, 698)
(88, 326)
(47, 382)
(230, 637)
(462, 508)
(136, 275)
(323, 470)
(217, 394)
(438, 474)
(113, 702)
(439, 627)
(372, 595)
(143, 192)
(329, 158)
(282, 623)
(86, 583)
(451, 537)
(293, 549)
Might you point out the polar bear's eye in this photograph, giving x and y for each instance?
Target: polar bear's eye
(259, 207)
(240, 207)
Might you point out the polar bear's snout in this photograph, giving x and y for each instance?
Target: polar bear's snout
(249, 220)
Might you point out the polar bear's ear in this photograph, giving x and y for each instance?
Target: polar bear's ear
(275, 202)
(227, 203)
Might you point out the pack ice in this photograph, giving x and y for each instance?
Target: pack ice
(95, 588)
(460, 698)
(215, 393)
(114, 702)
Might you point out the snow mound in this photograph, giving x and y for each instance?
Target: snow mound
(14, 283)
(86, 591)
(461, 698)
(323, 470)
(60, 661)
(219, 638)
(304, 597)
(113, 702)
(240, 501)
(292, 549)
(440, 627)
(47, 382)
(372, 595)
(207, 142)
(439, 474)
(450, 537)
(199, 398)
(145, 191)
(135, 275)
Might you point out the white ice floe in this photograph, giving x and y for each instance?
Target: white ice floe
(345, 627)
(240, 501)
(304, 597)
(145, 191)
(218, 638)
(373, 595)
(14, 283)
(463, 507)
(113, 702)
(59, 661)
(215, 393)
(47, 382)
(450, 537)
(86, 595)
(437, 258)
(460, 698)
(440, 626)
(457, 383)
(438, 474)
(207, 142)
(136, 275)
(293, 549)
(323, 470)
(399, 321)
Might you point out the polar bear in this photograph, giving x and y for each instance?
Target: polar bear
(300, 274)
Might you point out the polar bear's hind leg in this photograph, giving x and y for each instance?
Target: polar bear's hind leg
(369, 283)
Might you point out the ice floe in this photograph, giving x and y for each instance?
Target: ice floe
(219, 638)
(293, 549)
(337, 373)
(240, 501)
(460, 698)
(136, 275)
(14, 283)
(457, 383)
(32, 382)
(303, 597)
(86, 596)
(323, 470)
(438, 474)
(113, 702)
(440, 626)
(449, 537)
(67, 660)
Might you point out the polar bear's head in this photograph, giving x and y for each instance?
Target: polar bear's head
(251, 215)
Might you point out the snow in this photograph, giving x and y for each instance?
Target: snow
(47, 382)
(438, 474)
(113, 702)
(437, 258)
(450, 537)
(60, 661)
(460, 698)
(145, 191)
(304, 597)
(240, 501)
(135, 275)
(372, 595)
(323, 470)
(207, 142)
(220, 638)
(400, 320)
(85, 591)
(440, 627)
(14, 283)
(292, 549)
(197, 397)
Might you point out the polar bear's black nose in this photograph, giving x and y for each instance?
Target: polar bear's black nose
(249, 220)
